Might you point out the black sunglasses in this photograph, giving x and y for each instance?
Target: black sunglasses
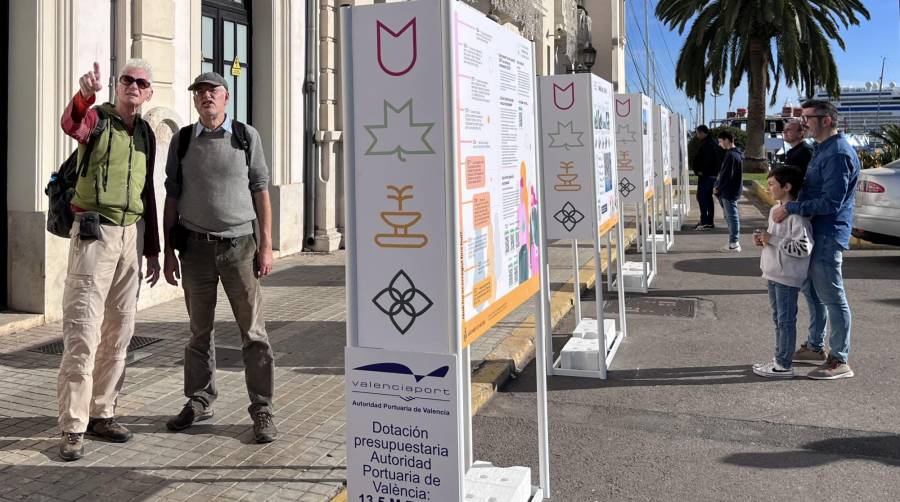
(127, 80)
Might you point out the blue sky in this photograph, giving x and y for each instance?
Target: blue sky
(866, 45)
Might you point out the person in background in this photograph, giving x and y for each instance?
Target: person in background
(706, 165)
(728, 189)
(801, 152)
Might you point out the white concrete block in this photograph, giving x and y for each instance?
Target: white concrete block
(587, 329)
(632, 271)
(488, 483)
(580, 354)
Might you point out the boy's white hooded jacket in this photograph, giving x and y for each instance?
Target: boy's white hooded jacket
(785, 259)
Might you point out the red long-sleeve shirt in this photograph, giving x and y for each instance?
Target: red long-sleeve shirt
(78, 121)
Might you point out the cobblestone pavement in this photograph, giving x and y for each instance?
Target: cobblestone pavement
(217, 459)
(304, 302)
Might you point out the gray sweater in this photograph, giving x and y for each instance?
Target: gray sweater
(785, 259)
(215, 194)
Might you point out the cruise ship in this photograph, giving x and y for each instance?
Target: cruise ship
(859, 109)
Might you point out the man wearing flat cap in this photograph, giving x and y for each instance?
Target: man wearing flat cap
(216, 189)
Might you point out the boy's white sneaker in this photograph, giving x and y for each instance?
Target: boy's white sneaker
(730, 248)
(772, 369)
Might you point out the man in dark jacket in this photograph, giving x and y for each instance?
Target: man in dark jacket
(801, 152)
(706, 166)
(728, 189)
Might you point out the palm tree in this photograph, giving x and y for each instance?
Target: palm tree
(890, 134)
(766, 40)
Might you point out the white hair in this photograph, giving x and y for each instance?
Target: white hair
(138, 64)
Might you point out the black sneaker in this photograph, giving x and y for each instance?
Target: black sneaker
(188, 417)
(71, 446)
(109, 429)
(264, 427)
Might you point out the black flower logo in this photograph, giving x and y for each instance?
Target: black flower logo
(626, 187)
(402, 302)
(568, 216)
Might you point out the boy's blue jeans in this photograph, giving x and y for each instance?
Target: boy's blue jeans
(783, 300)
(732, 218)
(824, 291)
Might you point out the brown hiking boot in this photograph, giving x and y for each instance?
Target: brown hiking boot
(71, 446)
(264, 430)
(806, 355)
(109, 429)
(833, 369)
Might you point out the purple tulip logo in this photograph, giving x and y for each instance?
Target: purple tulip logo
(395, 49)
(559, 96)
(623, 107)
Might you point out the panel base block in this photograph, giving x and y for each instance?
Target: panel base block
(488, 483)
(633, 275)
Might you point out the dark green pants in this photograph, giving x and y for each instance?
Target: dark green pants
(203, 264)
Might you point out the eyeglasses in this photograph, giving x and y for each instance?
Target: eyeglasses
(805, 118)
(209, 90)
(127, 80)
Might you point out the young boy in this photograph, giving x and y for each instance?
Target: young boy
(728, 189)
(784, 263)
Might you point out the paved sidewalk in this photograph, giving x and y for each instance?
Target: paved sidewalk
(305, 305)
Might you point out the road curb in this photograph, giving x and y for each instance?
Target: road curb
(517, 349)
(855, 242)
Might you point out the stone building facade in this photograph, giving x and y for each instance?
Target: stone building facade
(282, 57)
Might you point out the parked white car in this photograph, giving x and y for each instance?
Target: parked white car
(877, 212)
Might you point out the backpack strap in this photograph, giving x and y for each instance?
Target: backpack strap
(184, 141)
(102, 124)
(240, 133)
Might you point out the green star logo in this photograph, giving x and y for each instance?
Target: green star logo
(565, 136)
(399, 134)
(625, 134)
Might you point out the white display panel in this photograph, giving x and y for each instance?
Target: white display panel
(401, 198)
(634, 146)
(577, 150)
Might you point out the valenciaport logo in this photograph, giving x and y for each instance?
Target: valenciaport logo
(402, 369)
(383, 381)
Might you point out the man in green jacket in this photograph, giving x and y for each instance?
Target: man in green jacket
(115, 223)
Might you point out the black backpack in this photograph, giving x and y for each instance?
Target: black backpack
(61, 187)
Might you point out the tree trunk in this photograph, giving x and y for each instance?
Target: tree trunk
(755, 154)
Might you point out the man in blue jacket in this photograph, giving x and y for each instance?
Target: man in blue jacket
(728, 189)
(827, 197)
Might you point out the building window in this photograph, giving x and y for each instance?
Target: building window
(225, 46)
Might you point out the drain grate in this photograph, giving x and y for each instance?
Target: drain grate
(667, 307)
(55, 348)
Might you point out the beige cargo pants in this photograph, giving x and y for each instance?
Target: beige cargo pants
(99, 304)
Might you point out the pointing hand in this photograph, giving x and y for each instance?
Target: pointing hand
(90, 82)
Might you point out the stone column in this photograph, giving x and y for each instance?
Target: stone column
(329, 189)
(153, 33)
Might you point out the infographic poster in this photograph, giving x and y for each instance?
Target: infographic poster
(662, 146)
(497, 172)
(604, 152)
